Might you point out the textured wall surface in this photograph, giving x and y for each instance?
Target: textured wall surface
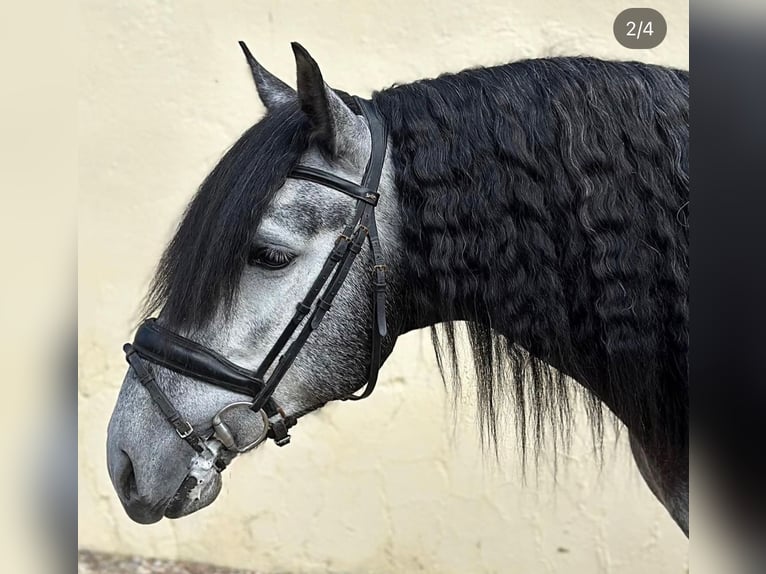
(394, 484)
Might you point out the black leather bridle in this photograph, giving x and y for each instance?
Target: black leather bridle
(157, 345)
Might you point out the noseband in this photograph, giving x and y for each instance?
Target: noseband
(157, 345)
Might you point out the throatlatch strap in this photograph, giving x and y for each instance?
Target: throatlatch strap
(373, 173)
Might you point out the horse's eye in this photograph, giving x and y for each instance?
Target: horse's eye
(270, 258)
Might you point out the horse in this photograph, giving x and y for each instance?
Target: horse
(540, 205)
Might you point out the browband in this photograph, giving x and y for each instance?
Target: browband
(351, 189)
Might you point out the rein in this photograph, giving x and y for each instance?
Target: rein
(155, 344)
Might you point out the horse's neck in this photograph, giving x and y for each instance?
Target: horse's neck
(491, 298)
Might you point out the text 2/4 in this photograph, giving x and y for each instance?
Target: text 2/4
(640, 28)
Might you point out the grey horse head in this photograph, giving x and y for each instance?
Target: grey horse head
(246, 252)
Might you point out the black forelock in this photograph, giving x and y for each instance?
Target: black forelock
(201, 267)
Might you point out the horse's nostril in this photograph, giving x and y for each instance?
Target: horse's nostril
(127, 480)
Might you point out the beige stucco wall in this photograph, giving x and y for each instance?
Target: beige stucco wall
(394, 484)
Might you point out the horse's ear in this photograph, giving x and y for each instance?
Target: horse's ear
(334, 126)
(271, 89)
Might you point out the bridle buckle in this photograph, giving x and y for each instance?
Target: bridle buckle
(186, 430)
(278, 429)
(372, 197)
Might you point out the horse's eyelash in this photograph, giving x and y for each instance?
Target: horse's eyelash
(282, 255)
(277, 254)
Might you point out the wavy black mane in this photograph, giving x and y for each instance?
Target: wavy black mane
(201, 267)
(546, 201)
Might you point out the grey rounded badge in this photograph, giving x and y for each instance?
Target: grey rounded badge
(640, 28)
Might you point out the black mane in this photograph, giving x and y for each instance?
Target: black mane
(546, 200)
(201, 266)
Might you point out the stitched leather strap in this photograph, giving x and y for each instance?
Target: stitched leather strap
(304, 307)
(146, 378)
(358, 192)
(286, 360)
